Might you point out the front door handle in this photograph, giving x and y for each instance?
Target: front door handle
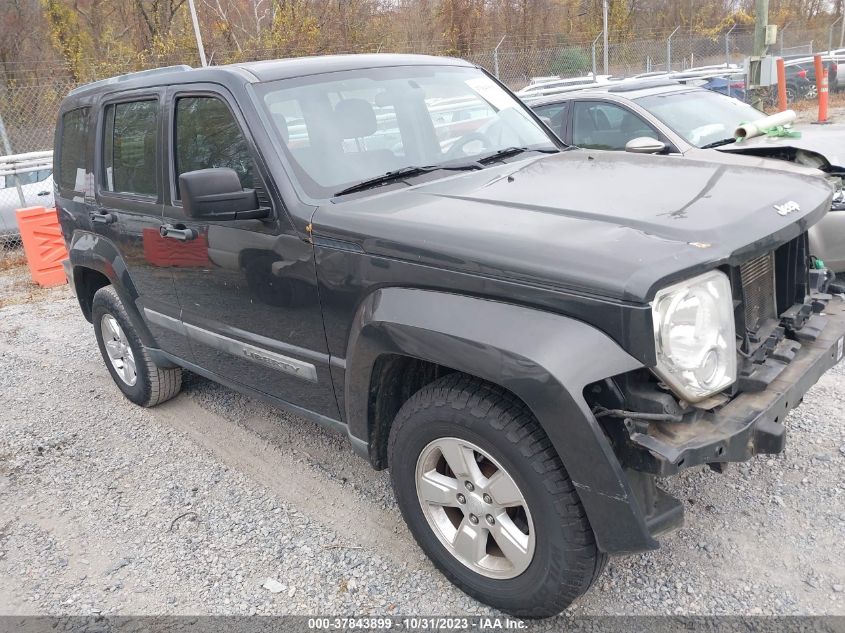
(103, 218)
(178, 232)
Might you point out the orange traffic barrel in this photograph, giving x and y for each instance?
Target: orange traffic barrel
(43, 245)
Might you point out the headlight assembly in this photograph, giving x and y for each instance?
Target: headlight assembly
(694, 336)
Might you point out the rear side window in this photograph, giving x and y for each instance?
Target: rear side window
(72, 149)
(129, 147)
(555, 113)
(208, 136)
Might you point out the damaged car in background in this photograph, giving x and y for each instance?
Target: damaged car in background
(663, 116)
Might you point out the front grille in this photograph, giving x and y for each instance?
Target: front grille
(758, 290)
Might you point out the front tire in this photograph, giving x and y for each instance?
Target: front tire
(487, 498)
(133, 371)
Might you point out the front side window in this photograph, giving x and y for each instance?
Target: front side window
(208, 136)
(606, 126)
(342, 128)
(700, 116)
(72, 150)
(130, 153)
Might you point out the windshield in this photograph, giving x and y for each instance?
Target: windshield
(339, 129)
(700, 116)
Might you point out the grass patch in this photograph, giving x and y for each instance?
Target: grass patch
(15, 259)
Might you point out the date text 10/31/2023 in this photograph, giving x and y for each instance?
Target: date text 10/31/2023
(417, 623)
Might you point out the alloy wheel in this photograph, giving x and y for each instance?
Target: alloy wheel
(475, 508)
(119, 352)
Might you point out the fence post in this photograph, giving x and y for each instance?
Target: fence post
(7, 147)
(842, 33)
(785, 26)
(728, 46)
(669, 51)
(595, 43)
(830, 34)
(496, 57)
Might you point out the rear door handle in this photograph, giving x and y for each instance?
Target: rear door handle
(178, 232)
(103, 218)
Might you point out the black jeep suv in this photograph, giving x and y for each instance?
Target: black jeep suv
(527, 335)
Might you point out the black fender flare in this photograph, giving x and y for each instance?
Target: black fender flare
(95, 252)
(543, 358)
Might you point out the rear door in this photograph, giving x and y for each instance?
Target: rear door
(130, 203)
(247, 287)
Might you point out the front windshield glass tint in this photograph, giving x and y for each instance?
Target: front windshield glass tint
(339, 129)
(700, 116)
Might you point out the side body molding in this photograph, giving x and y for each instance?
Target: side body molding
(543, 358)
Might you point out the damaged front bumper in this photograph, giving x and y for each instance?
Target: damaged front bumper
(750, 423)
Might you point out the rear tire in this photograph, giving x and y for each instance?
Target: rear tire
(498, 432)
(133, 371)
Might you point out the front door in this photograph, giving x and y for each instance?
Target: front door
(607, 126)
(248, 287)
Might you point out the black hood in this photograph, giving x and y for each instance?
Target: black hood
(610, 224)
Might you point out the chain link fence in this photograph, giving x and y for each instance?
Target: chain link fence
(27, 123)
(516, 65)
(28, 111)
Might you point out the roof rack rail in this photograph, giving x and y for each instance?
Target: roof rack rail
(135, 75)
(629, 85)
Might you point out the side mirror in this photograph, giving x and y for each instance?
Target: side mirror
(216, 194)
(645, 145)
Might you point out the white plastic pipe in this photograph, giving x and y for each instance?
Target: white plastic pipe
(761, 126)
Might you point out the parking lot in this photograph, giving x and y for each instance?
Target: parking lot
(190, 507)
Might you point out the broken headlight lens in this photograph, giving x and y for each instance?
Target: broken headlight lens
(695, 337)
(838, 193)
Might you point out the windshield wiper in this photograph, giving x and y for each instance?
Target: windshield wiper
(724, 141)
(406, 172)
(513, 151)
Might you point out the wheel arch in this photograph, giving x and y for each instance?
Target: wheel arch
(96, 262)
(526, 351)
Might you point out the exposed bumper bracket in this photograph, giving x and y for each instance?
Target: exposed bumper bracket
(749, 424)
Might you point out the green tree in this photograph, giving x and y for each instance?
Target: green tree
(570, 61)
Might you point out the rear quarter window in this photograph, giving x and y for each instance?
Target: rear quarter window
(73, 144)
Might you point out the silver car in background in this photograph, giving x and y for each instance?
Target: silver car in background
(662, 116)
(20, 190)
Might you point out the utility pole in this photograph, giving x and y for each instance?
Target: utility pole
(604, 22)
(842, 34)
(761, 21)
(197, 33)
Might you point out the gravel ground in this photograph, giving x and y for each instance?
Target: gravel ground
(808, 114)
(190, 507)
